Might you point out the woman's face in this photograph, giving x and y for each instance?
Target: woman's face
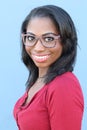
(43, 57)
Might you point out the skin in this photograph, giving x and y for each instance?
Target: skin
(40, 26)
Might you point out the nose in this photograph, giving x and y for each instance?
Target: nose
(38, 46)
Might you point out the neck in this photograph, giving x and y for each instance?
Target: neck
(42, 72)
(41, 77)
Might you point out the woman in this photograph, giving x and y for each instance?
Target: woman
(53, 99)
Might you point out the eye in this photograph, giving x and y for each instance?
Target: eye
(30, 38)
(48, 39)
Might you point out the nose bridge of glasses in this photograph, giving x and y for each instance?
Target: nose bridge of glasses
(38, 43)
(39, 39)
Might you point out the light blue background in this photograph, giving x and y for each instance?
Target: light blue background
(13, 73)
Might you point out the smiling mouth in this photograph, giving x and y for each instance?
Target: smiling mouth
(40, 58)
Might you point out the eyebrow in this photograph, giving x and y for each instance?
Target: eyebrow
(48, 33)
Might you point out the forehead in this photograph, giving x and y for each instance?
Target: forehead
(41, 25)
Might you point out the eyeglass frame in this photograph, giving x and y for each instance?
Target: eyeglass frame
(55, 36)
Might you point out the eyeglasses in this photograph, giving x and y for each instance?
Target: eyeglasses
(47, 40)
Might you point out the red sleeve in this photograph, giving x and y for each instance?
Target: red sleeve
(65, 104)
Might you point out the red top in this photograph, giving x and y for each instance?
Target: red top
(57, 106)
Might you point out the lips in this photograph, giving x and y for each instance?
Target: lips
(40, 58)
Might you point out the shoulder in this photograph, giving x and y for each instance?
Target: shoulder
(64, 81)
(65, 87)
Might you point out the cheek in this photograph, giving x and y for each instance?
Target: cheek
(27, 49)
(58, 51)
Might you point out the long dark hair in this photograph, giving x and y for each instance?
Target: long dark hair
(66, 28)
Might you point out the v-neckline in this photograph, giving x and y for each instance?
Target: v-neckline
(24, 105)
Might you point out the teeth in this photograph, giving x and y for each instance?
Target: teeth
(41, 57)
